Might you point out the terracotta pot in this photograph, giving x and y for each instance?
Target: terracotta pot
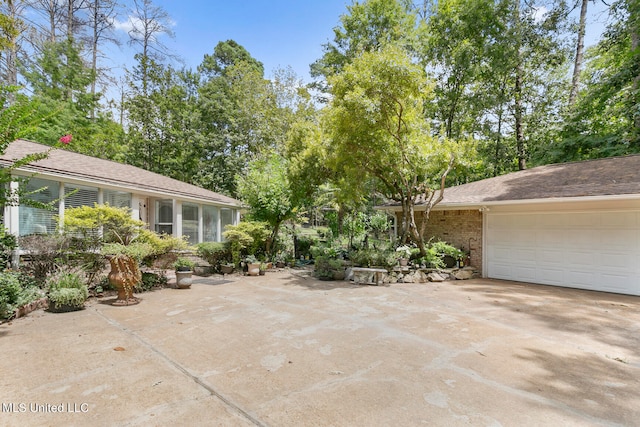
(253, 269)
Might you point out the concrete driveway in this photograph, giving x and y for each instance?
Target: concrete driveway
(285, 350)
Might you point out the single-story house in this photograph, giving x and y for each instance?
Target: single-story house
(572, 224)
(165, 204)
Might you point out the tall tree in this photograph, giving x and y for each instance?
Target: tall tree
(264, 186)
(375, 128)
(366, 27)
(577, 63)
(101, 15)
(605, 119)
(148, 23)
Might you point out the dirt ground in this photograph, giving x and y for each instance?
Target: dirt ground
(287, 350)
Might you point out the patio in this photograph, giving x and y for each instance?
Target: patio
(288, 350)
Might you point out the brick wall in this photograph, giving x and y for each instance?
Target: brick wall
(462, 229)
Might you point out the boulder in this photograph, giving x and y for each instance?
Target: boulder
(436, 277)
(463, 274)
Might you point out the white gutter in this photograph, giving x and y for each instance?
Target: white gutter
(481, 204)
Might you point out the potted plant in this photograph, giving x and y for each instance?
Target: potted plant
(280, 260)
(404, 253)
(184, 271)
(67, 292)
(252, 265)
(226, 268)
(263, 268)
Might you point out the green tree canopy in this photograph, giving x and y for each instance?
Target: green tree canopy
(375, 128)
(265, 188)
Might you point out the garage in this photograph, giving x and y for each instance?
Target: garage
(571, 224)
(596, 250)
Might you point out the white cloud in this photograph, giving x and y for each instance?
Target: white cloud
(539, 13)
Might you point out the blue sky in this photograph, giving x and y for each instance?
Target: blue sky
(279, 33)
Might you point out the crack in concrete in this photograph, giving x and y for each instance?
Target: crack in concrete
(227, 401)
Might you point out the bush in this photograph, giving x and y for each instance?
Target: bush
(150, 281)
(372, 257)
(10, 291)
(443, 248)
(303, 245)
(215, 253)
(45, 253)
(8, 243)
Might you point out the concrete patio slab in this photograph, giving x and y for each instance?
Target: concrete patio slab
(287, 350)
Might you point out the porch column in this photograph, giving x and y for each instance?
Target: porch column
(200, 224)
(219, 225)
(60, 205)
(177, 218)
(12, 211)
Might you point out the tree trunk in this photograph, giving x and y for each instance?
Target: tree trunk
(518, 109)
(94, 53)
(577, 66)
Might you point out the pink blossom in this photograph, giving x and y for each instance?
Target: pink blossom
(66, 139)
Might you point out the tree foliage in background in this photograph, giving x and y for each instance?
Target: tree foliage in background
(265, 188)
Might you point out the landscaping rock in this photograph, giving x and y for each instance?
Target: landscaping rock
(464, 274)
(436, 277)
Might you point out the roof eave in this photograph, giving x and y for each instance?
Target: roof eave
(147, 191)
(487, 203)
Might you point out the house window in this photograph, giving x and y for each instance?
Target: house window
(226, 217)
(164, 216)
(37, 220)
(190, 222)
(210, 223)
(76, 196)
(118, 199)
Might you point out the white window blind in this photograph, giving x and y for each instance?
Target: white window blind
(36, 220)
(118, 199)
(76, 196)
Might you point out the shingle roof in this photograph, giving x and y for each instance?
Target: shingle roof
(87, 168)
(614, 176)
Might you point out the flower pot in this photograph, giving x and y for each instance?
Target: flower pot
(226, 269)
(280, 264)
(338, 274)
(183, 279)
(253, 269)
(403, 262)
(63, 308)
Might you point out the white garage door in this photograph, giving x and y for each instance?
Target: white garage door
(589, 250)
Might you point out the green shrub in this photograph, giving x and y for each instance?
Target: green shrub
(150, 281)
(8, 243)
(10, 290)
(247, 237)
(303, 245)
(443, 248)
(215, 253)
